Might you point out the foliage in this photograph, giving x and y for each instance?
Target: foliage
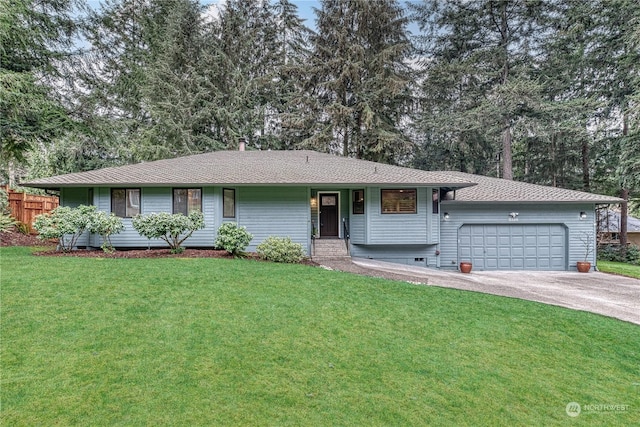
(6, 222)
(172, 228)
(65, 224)
(36, 37)
(105, 225)
(22, 228)
(4, 202)
(614, 253)
(281, 249)
(233, 239)
(334, 348)
(359, 80)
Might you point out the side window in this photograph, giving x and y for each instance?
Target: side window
(125, 202)
(228, 203)
(435, 196)
(358, 201)
(187, 200)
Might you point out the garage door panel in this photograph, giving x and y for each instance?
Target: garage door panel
(514, 246)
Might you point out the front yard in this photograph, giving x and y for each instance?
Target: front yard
(181, 341)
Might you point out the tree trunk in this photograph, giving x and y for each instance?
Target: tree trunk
(507, 163)
(624, 193)
(586, 183)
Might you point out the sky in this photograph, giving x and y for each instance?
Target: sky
(305, 8)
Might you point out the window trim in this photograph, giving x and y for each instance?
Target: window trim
(173, 198)
(353, 202)
(223, 202)
(126, 189)
(413, 191)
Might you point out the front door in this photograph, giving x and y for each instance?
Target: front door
(329, 214)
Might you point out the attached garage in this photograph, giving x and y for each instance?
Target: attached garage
(514, 246)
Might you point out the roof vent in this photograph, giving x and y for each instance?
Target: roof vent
(242, 143)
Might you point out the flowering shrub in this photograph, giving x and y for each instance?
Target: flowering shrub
(105, 225)
(67, 224)
(281, 249)
(233, 239)
(172, 228)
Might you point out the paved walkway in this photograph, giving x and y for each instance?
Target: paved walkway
(600, 293)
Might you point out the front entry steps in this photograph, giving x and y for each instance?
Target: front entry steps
(324, 249)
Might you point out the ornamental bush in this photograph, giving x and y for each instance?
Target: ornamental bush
(106, 225)
(233, 239)
(172, 228)
(65, 224)
(281, 249)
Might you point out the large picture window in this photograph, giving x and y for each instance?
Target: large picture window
(358, 201)
(125, 202)
(187, 200)
(401, 201)
(229, 203)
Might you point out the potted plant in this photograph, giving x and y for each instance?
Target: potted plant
(465, 267)
(585, 266)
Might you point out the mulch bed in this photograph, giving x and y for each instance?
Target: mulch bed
(15, 238)
(141, 253)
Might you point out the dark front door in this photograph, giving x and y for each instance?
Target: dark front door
(329, 215)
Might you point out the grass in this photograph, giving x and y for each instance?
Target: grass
(620, 268)
(238, 342)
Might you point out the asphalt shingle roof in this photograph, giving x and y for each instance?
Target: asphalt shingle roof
(492, 190)
(301, 167)
(305, 167)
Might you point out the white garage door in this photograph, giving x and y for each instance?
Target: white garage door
(513, 246)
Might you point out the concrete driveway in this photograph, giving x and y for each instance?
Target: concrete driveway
(600, 293)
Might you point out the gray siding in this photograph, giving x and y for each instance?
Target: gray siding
(274, 211)
(391, 229)
(74, 197)
(567, 215)
(419, 255)
(155, 200)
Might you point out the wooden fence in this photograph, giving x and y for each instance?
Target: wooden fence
(25, 207)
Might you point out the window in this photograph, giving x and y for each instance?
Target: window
(229, 203)
(435, 195)
(358, 201)
(403, 201)
(125, 202)
(187, 200)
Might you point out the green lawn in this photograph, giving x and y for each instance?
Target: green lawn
(621, 268)
(239, 342)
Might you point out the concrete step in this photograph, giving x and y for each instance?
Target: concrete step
(334, 248)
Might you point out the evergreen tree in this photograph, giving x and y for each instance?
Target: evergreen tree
(34, 38)
(358, 81)
(478, 59)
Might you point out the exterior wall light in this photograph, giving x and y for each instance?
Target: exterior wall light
(446, 216)
(583, 215)
(513, 215)
(314, 202)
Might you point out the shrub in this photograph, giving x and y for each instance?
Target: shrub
(65, 224)
(233, 239)
(172, 228)
(281, 249)
(6, 222)
(613, 252)
(106, 225)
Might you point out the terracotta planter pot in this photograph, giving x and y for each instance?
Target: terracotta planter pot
(465, 267)
(583, 266)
